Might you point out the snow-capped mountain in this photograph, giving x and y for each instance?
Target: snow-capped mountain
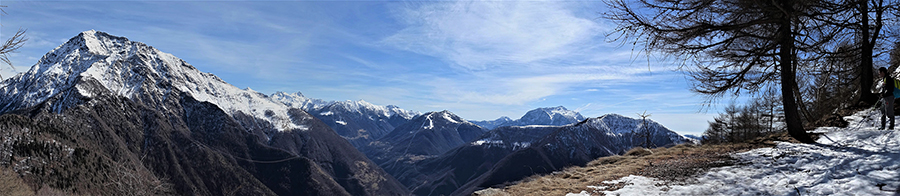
(359, 122)
(429, 134)
(125, 114)
(541, 116)
(297, 100)
(136, 71)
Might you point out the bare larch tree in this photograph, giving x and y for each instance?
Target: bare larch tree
(727, 46)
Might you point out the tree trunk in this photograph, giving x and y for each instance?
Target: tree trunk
(786, 40)
(866, 72)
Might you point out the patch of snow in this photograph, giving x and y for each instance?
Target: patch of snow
(83, 92)
(328, 113)
(447, 116)
(297, 100)
(429, 122)
(856, 160)
(520, 145)
(583, 193)
(341, 122)
(480, 142)
(537, 126)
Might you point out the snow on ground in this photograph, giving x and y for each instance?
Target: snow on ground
(857, 160)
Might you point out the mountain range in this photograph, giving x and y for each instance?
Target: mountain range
(541, 116)
(101, 109)
(359, 122)
(104, 115)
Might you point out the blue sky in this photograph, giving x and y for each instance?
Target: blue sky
(478, 59)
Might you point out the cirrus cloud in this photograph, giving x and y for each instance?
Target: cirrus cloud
(478, 35)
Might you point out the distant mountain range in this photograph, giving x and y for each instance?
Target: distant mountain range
(541, 116)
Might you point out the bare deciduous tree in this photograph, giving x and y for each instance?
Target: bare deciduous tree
(729, 46)
(11, 45)
(644, 134)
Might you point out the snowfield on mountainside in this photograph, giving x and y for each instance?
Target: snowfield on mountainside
(856, 160)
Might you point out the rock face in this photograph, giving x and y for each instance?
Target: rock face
(107, 116)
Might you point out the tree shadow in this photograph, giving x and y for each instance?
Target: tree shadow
(887, 186)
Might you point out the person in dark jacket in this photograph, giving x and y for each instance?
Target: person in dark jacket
(887, 95)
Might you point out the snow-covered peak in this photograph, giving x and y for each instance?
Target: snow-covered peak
(442, 117)
(136, 71)
(550, 114)
(541, 116)
(102, 43)
(365, 107)
(297, 100)
(446, 116)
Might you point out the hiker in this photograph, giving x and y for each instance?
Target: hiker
(887, 95)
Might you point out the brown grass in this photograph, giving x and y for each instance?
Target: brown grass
(674, 165)
(11, 184)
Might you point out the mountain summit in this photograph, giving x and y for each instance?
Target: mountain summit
(133, 70)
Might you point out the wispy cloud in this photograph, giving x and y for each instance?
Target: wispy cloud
(478, 35)
(512, 52)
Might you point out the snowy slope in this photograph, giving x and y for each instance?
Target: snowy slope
(297, 100)
(134, 70)
(857, 160)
